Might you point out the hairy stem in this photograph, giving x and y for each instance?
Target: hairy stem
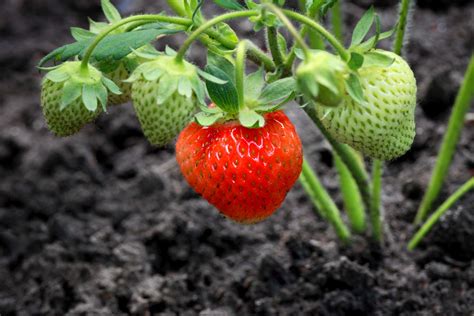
(450, 141)
(375, 214)
(291, 28)
(469, 185)
(177, 6)
(272, 42)
(401, 26)
(348, 156)
(316, 191)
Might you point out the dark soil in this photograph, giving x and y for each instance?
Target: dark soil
(103, 224)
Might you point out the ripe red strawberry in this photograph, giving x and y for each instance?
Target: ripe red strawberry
(244, 172)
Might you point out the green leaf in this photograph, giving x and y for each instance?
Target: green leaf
(356, 61)
(223, 64)
(89, 98)
(327, 4)
(80, 34)
(207, 119)
(363, 27)
(97, 27)
(209, 77)
(111, 13)
(376, 59)
(253, 85)
(229, 4)
(223, 95)
(111, 85)
(71, 92)
(278, 90)
(354, 89)
(282, 44)
(65, 52)
(117, 46)
(251, 119)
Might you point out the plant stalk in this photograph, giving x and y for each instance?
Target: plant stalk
(469, 185)
(376, 217)
(450, 141)
(240, 71)
(401, 26)
(272, 42)
(316, 191)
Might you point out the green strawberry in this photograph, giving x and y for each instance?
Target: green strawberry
(383, 127)
(70, 97)
(165, 95)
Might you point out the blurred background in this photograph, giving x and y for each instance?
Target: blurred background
(102, 223)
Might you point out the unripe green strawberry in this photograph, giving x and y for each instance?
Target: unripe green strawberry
(384, 126)
(166, 95)
(70, 95)
(321, 78)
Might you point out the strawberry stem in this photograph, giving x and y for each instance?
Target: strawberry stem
(450, 141)
(466, 187)
(401, 26)
(291, 28)
(323, 201)
(272, 43)
(203, 28)
(351, 196)
(376, 217)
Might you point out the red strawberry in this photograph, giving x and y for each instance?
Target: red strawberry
(244, 172)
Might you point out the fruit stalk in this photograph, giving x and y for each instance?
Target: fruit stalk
(351, 195)
(376, 217)
(466, 187)
(240, 71)
(450, 141)
(272, 43)
(401, 26)
(324, 203)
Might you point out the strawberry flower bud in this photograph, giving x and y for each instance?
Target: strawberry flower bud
(321, 78)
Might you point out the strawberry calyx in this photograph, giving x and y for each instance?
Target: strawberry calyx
(91, 86)
(259, 97)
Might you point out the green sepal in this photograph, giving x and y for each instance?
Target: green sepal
(111, 86)
(377, 59)
(101, 94)
(89, 97)
(208, 77)
(223, 95)
(80, 34)
(57, 75)
(253, 85)
(198, 88)
(168, 86)
(356, 61)
(363, 27)
(185, 87)
(208, 119)
(97, 27)
(251, 119)
(354, 88)
(71, 92)
(110, 12)
(277, 90)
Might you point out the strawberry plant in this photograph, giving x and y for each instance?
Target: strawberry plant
(236, 147)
